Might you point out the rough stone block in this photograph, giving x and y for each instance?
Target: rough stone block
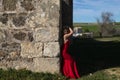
(4, 18)
(20, 36)
(30, 50)
(27, 4)
(0, 5)
(51, 49)
(46, 65)
(2, 54)
(19, 21)
(3, 65)
(17, 64)
(13, 54)
(9, 5)
(46, 34)
(2, 35)
(10, 50)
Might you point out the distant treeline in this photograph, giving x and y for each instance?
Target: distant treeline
(81, 24)
(94, 27)
(117, 23)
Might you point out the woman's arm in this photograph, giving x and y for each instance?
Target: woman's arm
(70, 33)
(66, 36)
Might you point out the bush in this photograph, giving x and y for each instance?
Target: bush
(12, 74)
(100, 75)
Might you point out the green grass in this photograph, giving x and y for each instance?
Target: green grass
(92, 27)
(87, 27)
(116, 39)
(12, 74)
(99, 75)
(117, 26)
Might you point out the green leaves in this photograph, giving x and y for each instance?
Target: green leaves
(12, 74)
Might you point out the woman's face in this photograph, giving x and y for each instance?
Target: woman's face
(66, 31)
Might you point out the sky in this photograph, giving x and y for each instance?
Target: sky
(89, 10)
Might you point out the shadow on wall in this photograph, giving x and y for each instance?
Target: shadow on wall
(92, 55)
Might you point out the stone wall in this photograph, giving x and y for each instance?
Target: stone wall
(29, 32)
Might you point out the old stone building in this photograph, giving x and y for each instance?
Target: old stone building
(30, 33)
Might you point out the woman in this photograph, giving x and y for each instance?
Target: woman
(69, 68)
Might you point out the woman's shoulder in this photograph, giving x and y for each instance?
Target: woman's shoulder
(66, 41)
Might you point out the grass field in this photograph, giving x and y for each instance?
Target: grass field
(115, 39)
(93, 27)
(100, 75)
(12, 74)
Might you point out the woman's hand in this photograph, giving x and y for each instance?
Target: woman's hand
(71, 31)
(68, 34)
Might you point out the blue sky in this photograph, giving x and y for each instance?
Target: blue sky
(89, 10)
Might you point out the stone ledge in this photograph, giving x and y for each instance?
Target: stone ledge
(46, 65)
(31, 50)
(51, 49)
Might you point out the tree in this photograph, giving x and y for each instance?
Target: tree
(106, 24)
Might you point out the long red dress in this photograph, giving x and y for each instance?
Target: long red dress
(69, 67)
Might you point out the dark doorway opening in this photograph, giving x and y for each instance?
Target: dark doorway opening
(91, 55)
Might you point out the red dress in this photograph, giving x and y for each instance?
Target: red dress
(69, 67)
